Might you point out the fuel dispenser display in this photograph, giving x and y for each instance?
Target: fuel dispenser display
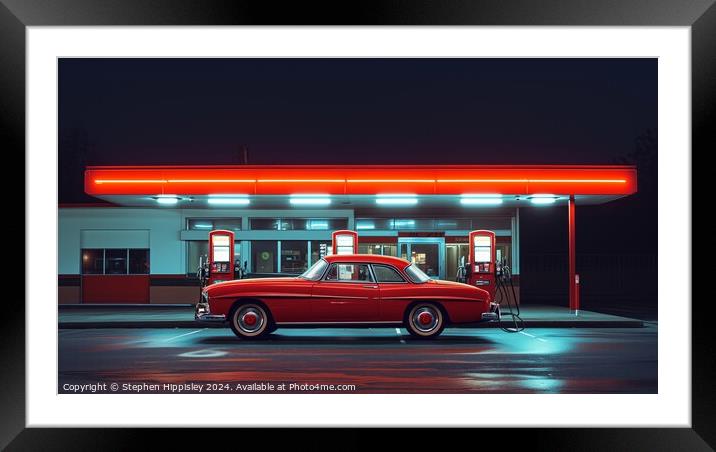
(221, 256)
(344, 242)
(481, 269)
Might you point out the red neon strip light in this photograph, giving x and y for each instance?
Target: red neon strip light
(362, 180)
(529, 181)
(130, 181)
(228, 181)
(373, 181)
(218, 181)
(301, 180)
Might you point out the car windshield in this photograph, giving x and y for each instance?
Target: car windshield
(316, 271)
(416, 275)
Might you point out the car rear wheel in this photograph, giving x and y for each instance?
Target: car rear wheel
(249, 321)
(425, 320)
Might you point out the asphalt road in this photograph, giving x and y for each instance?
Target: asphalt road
(380, 360)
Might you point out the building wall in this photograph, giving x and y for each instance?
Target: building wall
(164, 232)
(121, 228)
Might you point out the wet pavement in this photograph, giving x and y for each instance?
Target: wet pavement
(375, 360)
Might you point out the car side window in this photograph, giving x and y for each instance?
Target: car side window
(349, 273)
(386, 274)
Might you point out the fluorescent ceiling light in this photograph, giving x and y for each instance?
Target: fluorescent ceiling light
(396, 200)
(167, 200)
(228, 200)
(543, 199)
(480, 201)
(310, 200)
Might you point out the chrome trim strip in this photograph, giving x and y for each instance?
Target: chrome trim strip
(210, 317)
(344, 296)
(269, 295)
(432, 297)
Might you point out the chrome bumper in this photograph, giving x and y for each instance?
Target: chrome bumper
(493, 313)
(201, 313)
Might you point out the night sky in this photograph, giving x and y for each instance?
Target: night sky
(168, 111)
(399, 111)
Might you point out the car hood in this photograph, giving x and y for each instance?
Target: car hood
(462, 287)
(450, 283)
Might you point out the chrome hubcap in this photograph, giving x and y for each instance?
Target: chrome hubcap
(250, 319)
(425, 319)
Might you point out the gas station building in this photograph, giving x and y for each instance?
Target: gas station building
(142, 241)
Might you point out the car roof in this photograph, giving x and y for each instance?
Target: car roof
(368, 258)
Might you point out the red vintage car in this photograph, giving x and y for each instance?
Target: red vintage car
(346, 290)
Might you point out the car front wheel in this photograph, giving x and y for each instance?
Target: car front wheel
(249, 321)
(425, 320)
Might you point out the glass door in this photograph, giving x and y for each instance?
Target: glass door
(427, 253)
(456, 253)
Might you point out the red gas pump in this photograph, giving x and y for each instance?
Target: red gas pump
(344, 242)
(221, 256)
(483, 256)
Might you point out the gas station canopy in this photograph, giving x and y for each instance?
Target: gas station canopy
(313, 186)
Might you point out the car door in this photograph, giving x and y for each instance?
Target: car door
(347, 293)
(396, 292)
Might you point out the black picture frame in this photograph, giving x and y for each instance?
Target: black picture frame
(16, 15)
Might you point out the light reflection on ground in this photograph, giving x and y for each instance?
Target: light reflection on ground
(375, 360)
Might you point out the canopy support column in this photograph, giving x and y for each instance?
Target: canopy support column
(573, 284)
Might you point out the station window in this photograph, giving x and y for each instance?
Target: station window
(298, 224)
(138, 262)
(294, 256)
(92, 261)
(433, 224)
(264, 256)
(209, 224)
(316, 249)
(456, 254)
(229, 224)
(197, 250)
(313, 224)
(115, 261)
(384, 249)
(503, 252)
(265, 224)
(374, 223)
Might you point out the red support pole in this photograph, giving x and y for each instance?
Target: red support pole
(573, 295)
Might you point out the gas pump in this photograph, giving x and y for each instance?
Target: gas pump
(221, 256)
(485, 271)
(481, 269)
(344, 242)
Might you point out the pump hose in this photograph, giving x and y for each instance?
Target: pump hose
(518, 324)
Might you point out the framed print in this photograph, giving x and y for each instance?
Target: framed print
(459, 215)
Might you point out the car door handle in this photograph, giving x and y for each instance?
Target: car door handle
(370, 286)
